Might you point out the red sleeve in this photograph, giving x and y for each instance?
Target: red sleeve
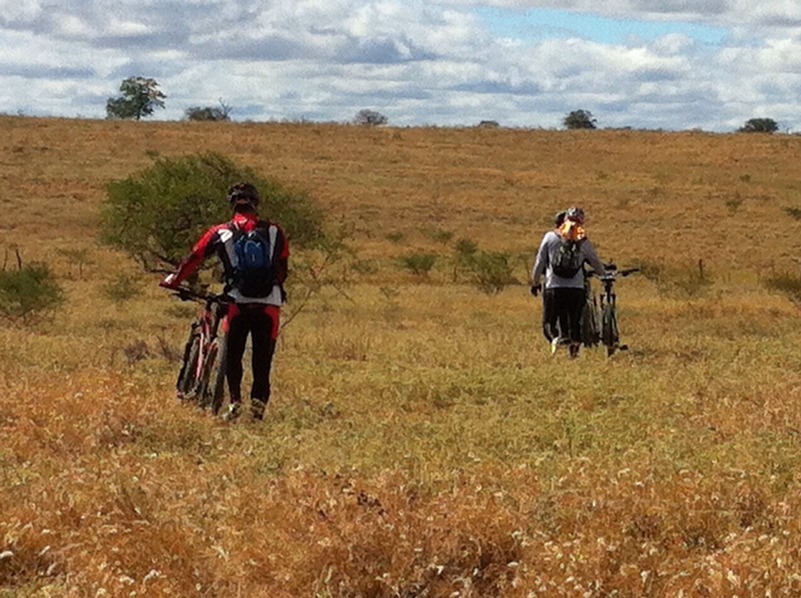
(202, 249)
(282, 262)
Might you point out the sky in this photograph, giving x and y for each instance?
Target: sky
(652, 64)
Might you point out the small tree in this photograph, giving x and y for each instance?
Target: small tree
(579, 119)
(759, 125)
(209, 113)
(370, 118)
(140, 96)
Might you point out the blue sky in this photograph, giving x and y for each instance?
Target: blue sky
(672, 64)
(536, 24)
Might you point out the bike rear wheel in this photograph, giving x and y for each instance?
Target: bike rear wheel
(215, 391)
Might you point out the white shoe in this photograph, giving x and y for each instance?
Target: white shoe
(555, 344)
(233, 412)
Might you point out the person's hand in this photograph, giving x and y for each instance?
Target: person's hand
(170, 282)
(536, 288)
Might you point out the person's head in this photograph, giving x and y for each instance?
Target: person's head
(559, 219)
(576, 215)
(243, 197)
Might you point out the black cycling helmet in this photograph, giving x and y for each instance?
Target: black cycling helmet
(559, 219)
(243, 194)
(576, 215)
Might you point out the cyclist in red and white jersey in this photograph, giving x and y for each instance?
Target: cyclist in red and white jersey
(254, 310)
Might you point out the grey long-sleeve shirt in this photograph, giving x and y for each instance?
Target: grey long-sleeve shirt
(542, 265)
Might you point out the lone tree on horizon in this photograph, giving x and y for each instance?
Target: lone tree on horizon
(579, 119)
(140, 96)
(759, 125)
(209, 113)
(370, 118)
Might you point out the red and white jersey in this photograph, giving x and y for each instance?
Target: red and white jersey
(219, 240)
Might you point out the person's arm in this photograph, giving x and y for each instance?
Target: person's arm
(282, 259)
(540, 264)
(201, 250)
(592, 258)
(541, 261)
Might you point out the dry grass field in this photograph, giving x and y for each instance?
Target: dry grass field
(421, 440)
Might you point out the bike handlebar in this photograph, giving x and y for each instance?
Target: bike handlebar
(188, 294)
(612, 273)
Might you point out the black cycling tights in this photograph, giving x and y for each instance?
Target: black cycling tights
(250, 319)
(561, 313)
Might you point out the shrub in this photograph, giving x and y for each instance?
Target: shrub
(677, 280)
(370, 118)
(759, 125)
(579, 119)
(209, 113)
(122, 288)
(793, 212)
(28, 292)
(156, 214)
(789, 284)
(490, 271)
(441, 236)
(419, 264)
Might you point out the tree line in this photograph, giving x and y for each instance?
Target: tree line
(140, 96)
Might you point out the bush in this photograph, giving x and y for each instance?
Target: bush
(677, 281)
(28, 292)
(419, 264)
(209, 113)
(579, 119)
(490, 271)
(759, 125)
(370, 118)
(789, 284)
(206, 114)
(156, 214)
(122, 288)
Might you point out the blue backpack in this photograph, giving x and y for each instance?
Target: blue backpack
(253, 271)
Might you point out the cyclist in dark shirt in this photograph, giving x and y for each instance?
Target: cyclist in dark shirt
(257, 314)
(563, 297)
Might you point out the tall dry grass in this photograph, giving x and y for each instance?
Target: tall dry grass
(421, 440)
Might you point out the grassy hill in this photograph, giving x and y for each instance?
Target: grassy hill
(421, 440)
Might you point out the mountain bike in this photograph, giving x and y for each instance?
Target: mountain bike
(202, 376)
(606, 308)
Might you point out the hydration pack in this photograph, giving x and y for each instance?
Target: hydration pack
(568, 259)
(253, 268)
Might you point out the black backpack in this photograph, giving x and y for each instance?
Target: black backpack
(253, 272)
(567, 260)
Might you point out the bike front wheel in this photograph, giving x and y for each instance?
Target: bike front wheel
(609, 331)
(188, 378)
(590, 335)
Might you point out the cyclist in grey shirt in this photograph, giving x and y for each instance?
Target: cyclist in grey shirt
(561, 256)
